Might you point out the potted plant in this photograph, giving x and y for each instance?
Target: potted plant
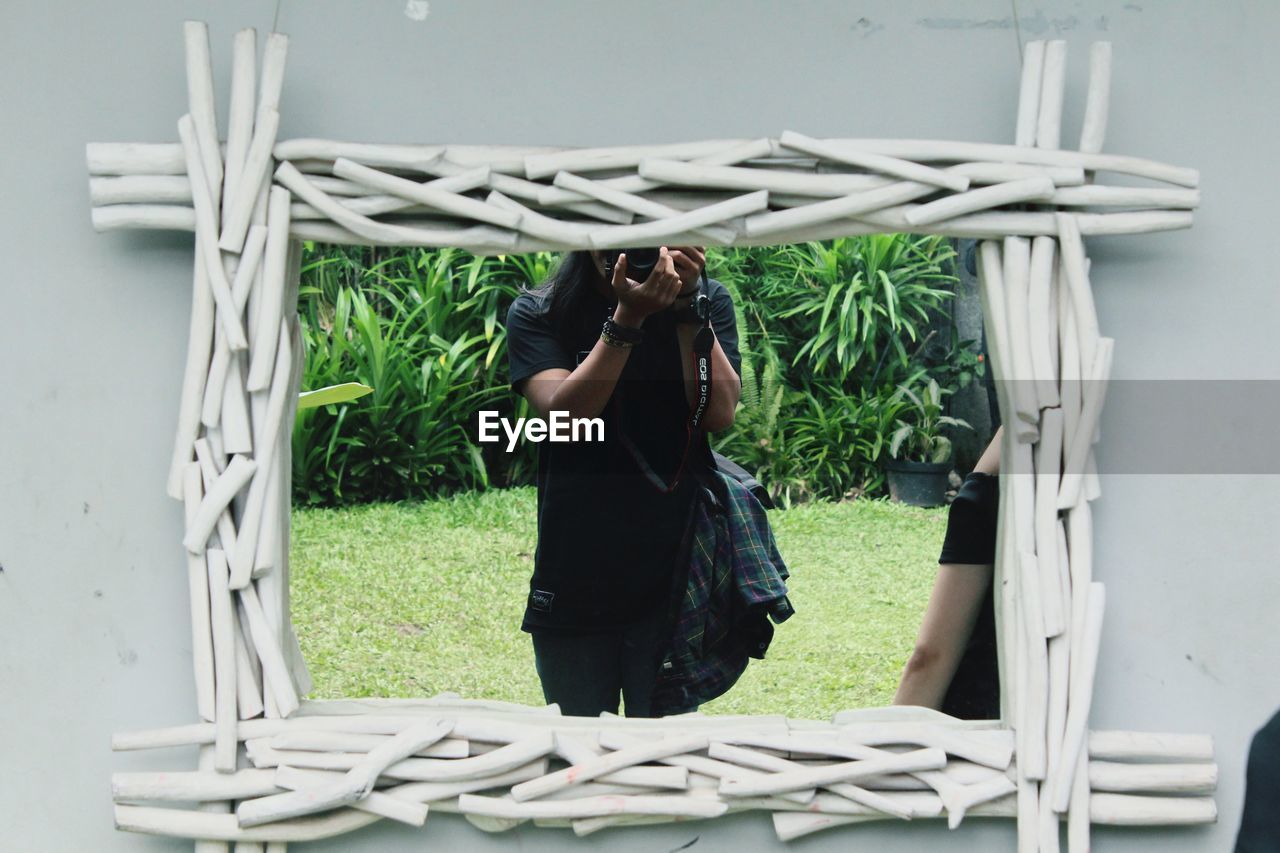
(917, 473)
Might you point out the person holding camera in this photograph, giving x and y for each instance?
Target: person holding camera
(645, 341)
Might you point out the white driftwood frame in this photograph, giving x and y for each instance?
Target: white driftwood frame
(315, 769)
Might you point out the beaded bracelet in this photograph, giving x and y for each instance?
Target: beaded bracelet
(615, 342)
(622, 337)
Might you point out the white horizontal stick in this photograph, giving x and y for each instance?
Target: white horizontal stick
(1148, 197)
(625, 157)
(946, 150)
(648, 232)
(633, 184)
(330, 742)
(385, 804)
(1026, 189)
(773, 764)
(570, 234)
(863, 201)
(454, 203)
(591, 806)
(135, 158)
(985, 172)
(431, 792)
(500, 760)
(160, 217)
(381, 723)
(747, 179)
(631, 202)
(479, 239)
(192, 786)
(218, 498)
(375, 231)
(223, 827)
(532, 191)
(849, 771)
(1121, 777)
(140, 189)
(1149, 746)
(606, 764)
(411, 157)
(961, 799)
(577, 750)
(1131, 810)
(904, 169)
(374, 205)
(1113, 809)
(988, 747)
(354, 785)
(700, 764)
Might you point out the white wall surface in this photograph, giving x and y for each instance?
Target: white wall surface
(93, 626)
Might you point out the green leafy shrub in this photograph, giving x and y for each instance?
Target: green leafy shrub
(422, 328)
(827, 332)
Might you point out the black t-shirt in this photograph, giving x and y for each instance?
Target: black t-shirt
(608, 539)
(974, 692)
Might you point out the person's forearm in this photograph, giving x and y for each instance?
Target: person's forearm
(586, 391)
(925, 681)
(725, 385)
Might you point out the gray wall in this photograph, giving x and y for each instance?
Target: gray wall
(93, 630)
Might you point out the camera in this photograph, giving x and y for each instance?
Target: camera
(640, 262)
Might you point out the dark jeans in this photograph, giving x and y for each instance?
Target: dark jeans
(585, 673)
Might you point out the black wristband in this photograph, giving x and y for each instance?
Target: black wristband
(626, 334)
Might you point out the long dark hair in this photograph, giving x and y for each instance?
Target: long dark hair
(562, 294)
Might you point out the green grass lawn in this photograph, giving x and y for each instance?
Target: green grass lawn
(416, 599)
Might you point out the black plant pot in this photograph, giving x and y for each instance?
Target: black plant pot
(918, 483)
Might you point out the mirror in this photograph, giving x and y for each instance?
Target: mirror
(414, 541)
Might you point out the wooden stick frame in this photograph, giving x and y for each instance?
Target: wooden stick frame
(274, 769)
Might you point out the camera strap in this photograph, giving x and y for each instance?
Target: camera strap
(703, 342)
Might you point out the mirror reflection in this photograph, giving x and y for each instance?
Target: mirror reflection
(649, 481)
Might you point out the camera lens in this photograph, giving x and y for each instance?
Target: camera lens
(640, 262)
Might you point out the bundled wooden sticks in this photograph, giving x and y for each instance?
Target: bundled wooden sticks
(490, 199)
(274, 769)
(315, 776)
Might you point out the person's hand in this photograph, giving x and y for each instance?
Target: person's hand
(689, 261)
(637, 300)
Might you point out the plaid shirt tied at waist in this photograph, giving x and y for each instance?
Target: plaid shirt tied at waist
(735, 584)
